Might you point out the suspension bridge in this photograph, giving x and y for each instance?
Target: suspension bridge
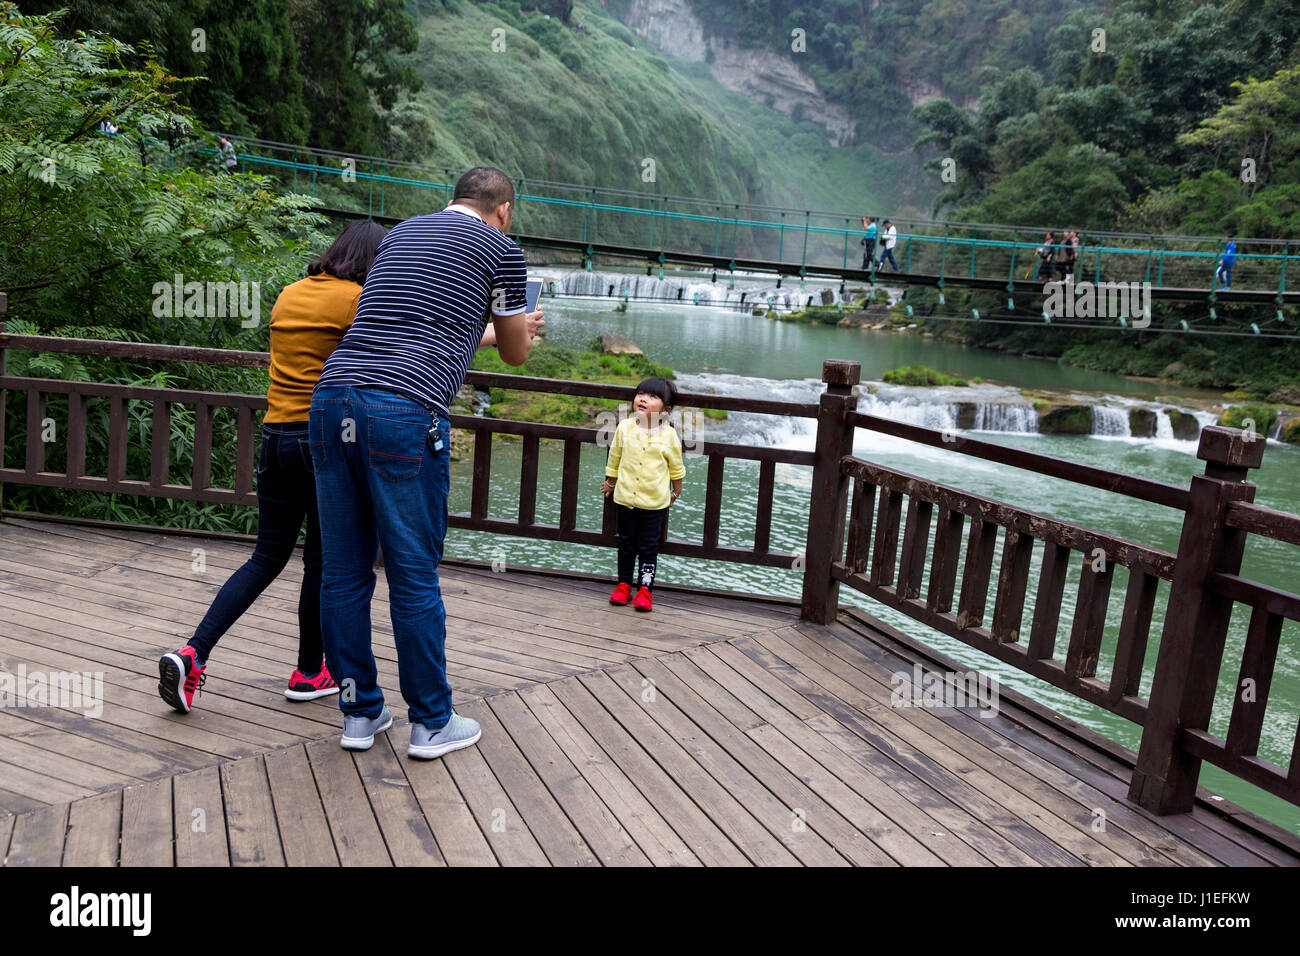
(625, 227)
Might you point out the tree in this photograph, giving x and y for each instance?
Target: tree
(299, 71)
(89, 228)
(1261, 125)
(350, 51)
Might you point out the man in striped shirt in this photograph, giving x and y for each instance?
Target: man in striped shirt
(379, 442)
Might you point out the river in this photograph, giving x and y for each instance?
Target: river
(725, 351)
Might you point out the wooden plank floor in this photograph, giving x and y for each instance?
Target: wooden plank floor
(716, 730)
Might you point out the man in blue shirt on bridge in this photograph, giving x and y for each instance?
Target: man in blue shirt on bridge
(868, 243)
(1223, 275)
(380, 438)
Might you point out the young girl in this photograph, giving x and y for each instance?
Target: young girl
(644, 472)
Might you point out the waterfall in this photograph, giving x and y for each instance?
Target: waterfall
(1164, 427)
(1000, 417)
(1110, 422)
(981, 408)
(689, 289)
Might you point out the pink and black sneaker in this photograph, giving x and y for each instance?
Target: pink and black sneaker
(302, 687)
(179, 677)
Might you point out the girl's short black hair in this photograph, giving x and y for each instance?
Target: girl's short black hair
(352, 253)
(660, 388)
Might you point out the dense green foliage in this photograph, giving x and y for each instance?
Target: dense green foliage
(551, 89)
(920, 375)
(93, 225)
(90, 222)
(1145, 127)
(325, 72)
(559, 362)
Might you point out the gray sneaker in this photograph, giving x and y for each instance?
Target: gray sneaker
(459, 732)
(359, 732)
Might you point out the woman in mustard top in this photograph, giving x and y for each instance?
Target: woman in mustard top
(307, 321)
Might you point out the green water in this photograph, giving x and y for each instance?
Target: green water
(696, 338)
(726, 351)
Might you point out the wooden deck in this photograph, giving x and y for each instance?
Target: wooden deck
(717, 730)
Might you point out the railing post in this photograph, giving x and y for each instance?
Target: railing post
(1196, 622)
(829, 491)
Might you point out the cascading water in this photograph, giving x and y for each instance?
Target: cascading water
(1111, 422)
(985, 408)
(1020, 419)
(1164, 427)
(744, 292)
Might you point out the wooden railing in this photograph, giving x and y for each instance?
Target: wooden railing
(163, 403)
(860, 510)
(874, 529)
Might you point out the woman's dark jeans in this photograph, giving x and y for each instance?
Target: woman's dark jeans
(286, 494)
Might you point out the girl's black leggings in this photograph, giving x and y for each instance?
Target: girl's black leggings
(638, 537)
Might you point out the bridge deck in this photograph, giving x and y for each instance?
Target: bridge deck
(761, 741)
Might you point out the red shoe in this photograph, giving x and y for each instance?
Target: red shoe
(179, 676)
(642, 602)
(302, 687)
(621, 594)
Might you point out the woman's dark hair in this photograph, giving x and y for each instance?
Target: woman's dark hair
(352, 253)
(660, 388)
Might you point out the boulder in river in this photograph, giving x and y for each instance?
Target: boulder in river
(1142, 423)
(1186, 427)
(966, 415)
(614, 344)
(1290, 431)
(1065, 420)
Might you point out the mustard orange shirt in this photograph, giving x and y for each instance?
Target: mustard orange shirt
(307, 321)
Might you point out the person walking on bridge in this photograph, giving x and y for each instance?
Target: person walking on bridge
(1223, 274)
(868, 243)
(379, 437)
(227, 160)
(1065, 253)
(1044, 256)
(888, 237)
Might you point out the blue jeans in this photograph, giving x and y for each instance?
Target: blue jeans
(887, 254)
(286, 494)
(378, 482)
(1224, 275)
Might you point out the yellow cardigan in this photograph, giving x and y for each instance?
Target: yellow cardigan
(644, 462)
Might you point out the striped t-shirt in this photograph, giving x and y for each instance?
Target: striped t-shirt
(434, 285)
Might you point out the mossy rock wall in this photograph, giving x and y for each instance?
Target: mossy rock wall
(1186, 427)
(1142, 423)
(1065, 420)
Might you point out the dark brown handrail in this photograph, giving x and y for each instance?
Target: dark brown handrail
(134, 350)
(240, 359)
(1278, 525)
(863, 550)
(159, 484)
(1132, 486)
